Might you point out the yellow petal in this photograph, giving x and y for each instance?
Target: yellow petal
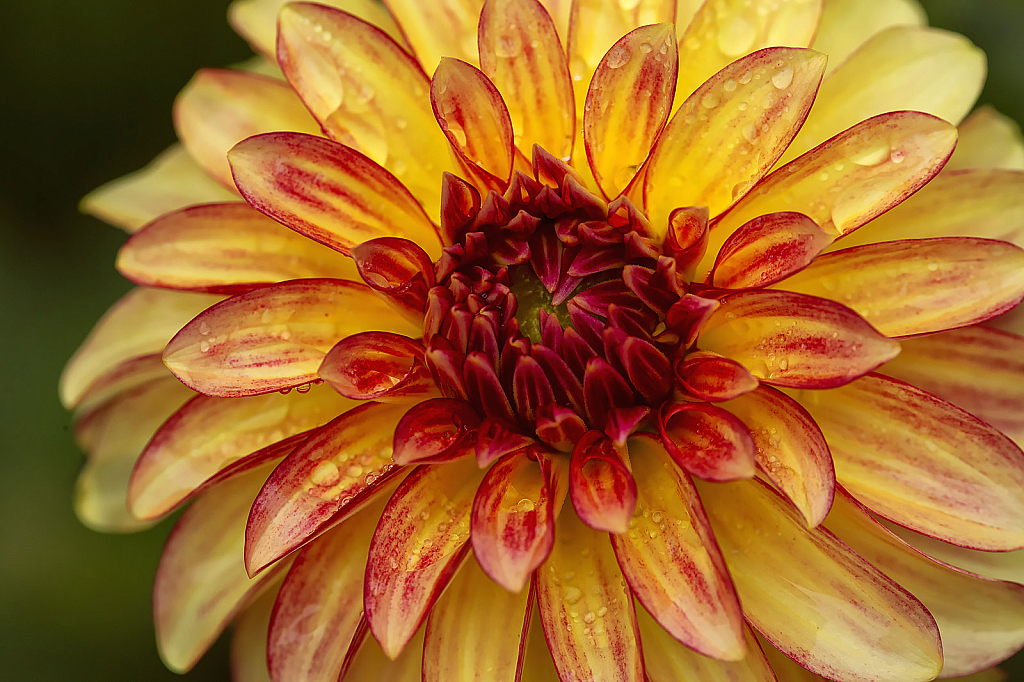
(750, 119)
(916, 286)
(586, 609)
(848, 24)
(628, 103)
(520, 52)
(994, 565)
(256, 20)
(171, 181)
(367, 92)
(370, 663)
(139, 324)
(226, 248)
(668, 660)
(906, 68)
(722, 31)
(220, 107)
(988, 139)
(439, 28)
(981, 621)
(328, 192)
(127, 375)
(923, 463)
(276, 337)
(813, 597)
(477, 631)
(559, 11)
(249, 641)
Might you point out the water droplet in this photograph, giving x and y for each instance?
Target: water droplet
(709, 100)
(325, 473)
(897, 156)
(617, 57)
(730, 85)
(204, 346)
(871, 156)
(589, 617)
(783, 79)
(572, 594)
(525, 505)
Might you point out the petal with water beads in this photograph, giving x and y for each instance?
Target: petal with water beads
(916, 286)
(477, 631)
(520, 52)
(671, 561)
(707, 441)
(815, 598)
(378, 366)
(319, 608)
(513, 520)
(628, 103)
(224, 248)
(399, 271)
(923, 463)
(332, 474)
(274, 338)
(586, 609)
(600, 483)
(139, 324)
(753, 119)
(790, 450)
(210, 434)
(221, 107)
(327, 191)
(768, 249)
(988, 139)
(436, 430)
(435, 30)
(420, 542)
(367, 92)
(200, 583)
(712, 378)
(788, 339)
(981, 621)
(473, 117)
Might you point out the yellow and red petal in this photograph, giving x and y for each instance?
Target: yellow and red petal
(445, 28)
(328, 192)
(988, 139)
(209, 434)
(378, 366)
(815, 598)
(707, 441)
(728, 134)
(326, 479)
(601, 486)
(995, 565)
(224, 248)
(586, 609)
(924, 463)
(768, 249)
(916, 286)
(708, 376)
(671, 561)
(848, 24)
(795, 340)
(274, 338)
(420, 542)
(399, 271)
(477, 631)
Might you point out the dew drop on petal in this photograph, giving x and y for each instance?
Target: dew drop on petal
(618, 56)
(783, 79)
(525, 505)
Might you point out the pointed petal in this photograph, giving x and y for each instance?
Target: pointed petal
(671, 561)
(711, 377)
(221, 107)
(904, 65)
(170, 182)
(978, 369)
(666, 659)
(439, 29)
(791, 451)
(768, 249)
(707, 441)
(327, 192)
(988, 139)
(520, 52)
(326, 479)
(201, 582)
(418, 546)
(249, 641)
(981, 621)
(628, 103)
(319, 609)
(436, 430)
(275, 337)
(127, 375)
(722, 32)
(788, 339)
(513, 520)
(226, 248)
(587, 611)
(754, 119)
(916, 286)
(923, 463)
(473, 117)
(367, 92)
(209, 434)
(813, 597)
(848, 24)
(139, 324)
(378, 366)
(601, 486)
(477, 631)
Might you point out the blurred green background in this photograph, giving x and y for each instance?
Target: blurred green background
(89, 85)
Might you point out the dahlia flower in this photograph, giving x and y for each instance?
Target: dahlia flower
(573, 341)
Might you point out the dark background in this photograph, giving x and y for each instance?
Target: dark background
(86, 95)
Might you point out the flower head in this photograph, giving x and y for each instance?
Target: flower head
(615, 340)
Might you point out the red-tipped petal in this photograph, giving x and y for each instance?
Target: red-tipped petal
(602, 488)
(560, 427)
(707, 441)
(435, 431)
(708, 376)
(378, 366)
(399, 271)
(604, 389)
(768, 249)
(495, 440)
